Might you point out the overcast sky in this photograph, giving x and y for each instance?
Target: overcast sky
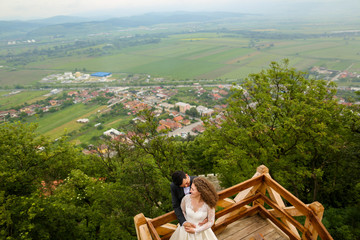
(37, 9)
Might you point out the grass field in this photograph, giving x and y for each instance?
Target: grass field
(55, 124)
(86, 136)
(23, 76)
(29, 97)
(214, 56)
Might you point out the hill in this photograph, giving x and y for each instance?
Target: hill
(67, 25)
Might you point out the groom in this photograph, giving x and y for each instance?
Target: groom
(180, 186)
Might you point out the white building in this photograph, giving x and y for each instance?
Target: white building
(113, 133)
(82, 120)
(183, 106)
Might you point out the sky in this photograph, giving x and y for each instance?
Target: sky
(39, 9)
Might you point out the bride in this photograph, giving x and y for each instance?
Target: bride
(197, 206)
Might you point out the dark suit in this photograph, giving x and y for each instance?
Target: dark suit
(177, 194)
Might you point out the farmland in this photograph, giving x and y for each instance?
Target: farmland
(177, 53)
(200, 55)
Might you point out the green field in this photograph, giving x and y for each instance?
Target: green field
(57, 123)
(29, 97)
(213, 56)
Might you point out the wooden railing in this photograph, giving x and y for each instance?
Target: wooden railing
(249, 198)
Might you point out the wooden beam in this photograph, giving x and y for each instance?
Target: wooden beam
(166, 228)
(240, 187)
(153, 231)
(284, 228)
(144, 233)
(262, 169)
(276, 197)
(318, 226)
(235, 218)
(287, 195)
(285, 215)
(292, 211)
(163, 219)
(318, 210)
(237, 205)
(226, 202)
(138, 221)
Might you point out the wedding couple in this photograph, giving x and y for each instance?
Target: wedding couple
(194, 200)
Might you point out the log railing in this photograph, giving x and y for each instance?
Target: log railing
(249, 198)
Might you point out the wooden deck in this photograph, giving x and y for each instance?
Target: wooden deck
(243, 214)
(246, 228)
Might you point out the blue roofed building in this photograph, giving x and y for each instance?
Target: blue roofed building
(101, 74)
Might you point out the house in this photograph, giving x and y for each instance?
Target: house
(53, 102)
(178, 118)
(183, 106)
(216, 96)
(199, 128)
(170, 124)
(113, 133)
(208, 112)
(82, 120)
(186, 122)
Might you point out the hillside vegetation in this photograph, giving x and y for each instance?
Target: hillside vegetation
(293, 125)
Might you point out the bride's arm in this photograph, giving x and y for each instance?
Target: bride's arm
(210, 222)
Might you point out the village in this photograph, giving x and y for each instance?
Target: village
(184, 119)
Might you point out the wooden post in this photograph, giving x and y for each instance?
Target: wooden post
(262, 169)
(318, 210)
(138, 221)
(144, 233)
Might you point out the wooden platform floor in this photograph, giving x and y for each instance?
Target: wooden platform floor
(246, 228)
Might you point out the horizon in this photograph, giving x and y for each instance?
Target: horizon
(41, 9)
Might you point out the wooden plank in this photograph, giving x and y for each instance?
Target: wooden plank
(292, 211)
(236, 206)
(240, 187)
(163, 219)
(138, 221)
(166, 228)
(274, 236)
(229, 215)
(144, 233)
(226, 202)
(246, 193)
(262, 169)
(275, 196)
(152, 230)
(318, 210)
(233, 227)
(277, 229)
(319, 227)
(285, 215)
(284, 228)
(257, 236)
(234, 218)
(249, 231)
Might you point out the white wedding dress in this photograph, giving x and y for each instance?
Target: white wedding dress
(203, 232)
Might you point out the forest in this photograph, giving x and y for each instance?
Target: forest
(277, 117)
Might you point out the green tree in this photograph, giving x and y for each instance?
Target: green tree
(28, 162)
(287, 122)
(192, 112)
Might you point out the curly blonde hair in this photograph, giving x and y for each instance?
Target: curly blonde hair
(207, 191)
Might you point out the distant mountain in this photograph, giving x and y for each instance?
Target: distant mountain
(60, 20)
(15, 26)
(66, 25)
